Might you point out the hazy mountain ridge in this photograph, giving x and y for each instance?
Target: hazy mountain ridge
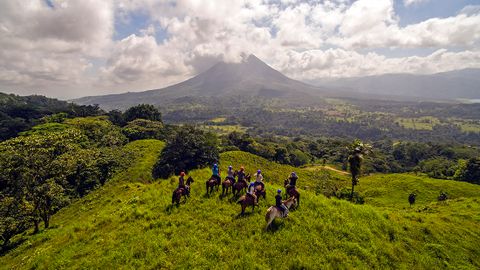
(451, 85)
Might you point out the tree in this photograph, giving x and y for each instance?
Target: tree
(117, 118)
(14, 218)
(190, 149)
(471, 172)
(143, 111)
(139, 129)
(356, 151)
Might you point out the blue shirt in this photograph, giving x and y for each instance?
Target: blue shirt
(215, 170)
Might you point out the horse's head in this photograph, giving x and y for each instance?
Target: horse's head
(285, 183)
(189, 181)
(235, 173)
(292, 201)
(248, 177)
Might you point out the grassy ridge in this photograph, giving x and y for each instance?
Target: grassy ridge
(129, 223)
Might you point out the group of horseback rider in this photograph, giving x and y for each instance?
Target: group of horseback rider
(292, 182)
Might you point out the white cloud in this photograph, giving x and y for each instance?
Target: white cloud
(51, 48)
(414, 2)
(71, 46)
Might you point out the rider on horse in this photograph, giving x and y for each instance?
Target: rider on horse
(292, 181)
(230, 174)
(241, 174)
(279, 204)
(181, 183)
(251, 192)
(216, 173)
(259, 179)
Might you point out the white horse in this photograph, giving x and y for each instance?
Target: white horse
(273, 212)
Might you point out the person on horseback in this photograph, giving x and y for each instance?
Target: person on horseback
(181, 183)
(241, 174)
(216, 173)
(230, 174)
(292, 181)
(279, 204)
(259, 179)
(251, 192)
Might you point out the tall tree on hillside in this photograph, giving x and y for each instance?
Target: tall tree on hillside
(190, 149)
(356, 151)
(143, 111)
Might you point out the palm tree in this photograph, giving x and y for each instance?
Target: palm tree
(356, 151)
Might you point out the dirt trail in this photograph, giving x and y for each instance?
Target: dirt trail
(315, 166)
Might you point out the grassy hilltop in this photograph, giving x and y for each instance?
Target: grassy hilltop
(129, 223)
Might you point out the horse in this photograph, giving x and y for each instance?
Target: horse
(245, 201)
(227, 184)
(179, 192)
(211, 183)
(291, 191)
(273, 212)
(241, 185)
(260, 192)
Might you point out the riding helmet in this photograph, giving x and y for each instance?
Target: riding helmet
(279, 191)
(259, 171)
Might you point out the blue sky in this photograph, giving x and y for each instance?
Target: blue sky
(89, 47)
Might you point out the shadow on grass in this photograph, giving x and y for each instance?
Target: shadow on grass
(244, 215)
(5, 249)
(275, 226)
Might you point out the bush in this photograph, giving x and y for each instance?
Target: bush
(189, 149)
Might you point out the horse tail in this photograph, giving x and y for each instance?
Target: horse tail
(268, 214)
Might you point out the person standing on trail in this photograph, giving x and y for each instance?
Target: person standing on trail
(279, 204)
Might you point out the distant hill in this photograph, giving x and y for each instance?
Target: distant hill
(452, 85)
(20, 113)
(251, 77)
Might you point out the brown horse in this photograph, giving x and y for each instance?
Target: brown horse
(179, 192)
(291, 191)
(245, 201)
(273, 212)
(241, 185)
(260, 192)
(211, 183)
(227, 184)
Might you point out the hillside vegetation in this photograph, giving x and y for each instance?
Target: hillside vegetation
(129, 223)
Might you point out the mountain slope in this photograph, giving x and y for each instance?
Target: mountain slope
(251, 77)
(458, 84)
(129, 224)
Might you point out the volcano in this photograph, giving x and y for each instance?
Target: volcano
(250, 77)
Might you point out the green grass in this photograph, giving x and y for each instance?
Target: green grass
(224, 129)
(421, 123)
(470, 127)
(129, 224)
